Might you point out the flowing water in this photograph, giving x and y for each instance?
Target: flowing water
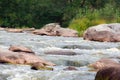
(87, 52)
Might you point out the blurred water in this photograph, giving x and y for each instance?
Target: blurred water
(86, 53)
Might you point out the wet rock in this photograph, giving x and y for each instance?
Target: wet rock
(54, 29)
(104, 63)
(19, 48)
(111, 73)
(60, 52)
(103, 32)
(14, 30)
(69, 68)
(7, 56)
(40, 66)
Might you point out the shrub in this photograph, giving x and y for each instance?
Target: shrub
(86, 18)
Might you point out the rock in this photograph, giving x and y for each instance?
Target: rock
(40, 66)
(1, 29)
(14, 30)
(111, 73)
(66, 32)
(40, 32)
(19, 48)
(48, 29)
(54, 29)
(60, 52)
(103, 63)
(103, 32)
(7, 56)
(51, 27)
(70, 68)
(79, 46)
(28, 29)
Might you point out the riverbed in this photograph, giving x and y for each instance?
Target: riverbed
(87, 52)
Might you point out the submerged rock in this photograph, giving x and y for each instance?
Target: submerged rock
(72, 46)
(103, 32)
(60, 52)
(69, 68)
(74, 63)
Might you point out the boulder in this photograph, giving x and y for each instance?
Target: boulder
(104, 63)
(7, 56)
(40, 32)
(66, 32)
(19, 48)
(14, 30)
(54, 29)
(111, 73)
(103, 32)
(60, 52)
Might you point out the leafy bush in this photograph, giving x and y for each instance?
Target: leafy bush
(82, 21)
(36, 13)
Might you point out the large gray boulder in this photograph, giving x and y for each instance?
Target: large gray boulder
(54, 29)
(103, 32)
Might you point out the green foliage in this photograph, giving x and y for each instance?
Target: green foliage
(36, 13)
(107, 14)
(32, 13)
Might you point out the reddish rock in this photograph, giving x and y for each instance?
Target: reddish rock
(54, 29)
(104, 63)
(69, 68)
(110, 73)
(40, 32)
(7, 56)
(66, 32)
(19, 48)
(14, 30)
(103, 32)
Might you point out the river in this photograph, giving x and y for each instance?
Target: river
(87, 52)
